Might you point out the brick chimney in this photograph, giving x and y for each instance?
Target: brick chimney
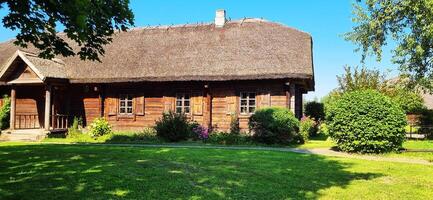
(220, 18)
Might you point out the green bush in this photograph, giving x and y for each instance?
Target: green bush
(307, 128)
(173, 127)
(225, 138)
(5, 113)
(315, 110)
(274, 125)
(409, 101)
(74, 131)
(99, 127)
(147, 135)
(366, 122)
(234, 124)
(323, 129)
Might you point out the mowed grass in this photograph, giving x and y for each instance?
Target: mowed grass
(49, 171)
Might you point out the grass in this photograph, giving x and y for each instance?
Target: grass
(50, 171)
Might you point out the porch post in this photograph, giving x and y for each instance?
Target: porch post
(292, 95)
(13, 108)
(47, 107)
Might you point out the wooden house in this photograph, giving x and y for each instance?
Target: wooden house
(210, 72)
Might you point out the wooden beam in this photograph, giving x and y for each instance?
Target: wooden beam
(13, 108)
(208, 116)
(47, 107)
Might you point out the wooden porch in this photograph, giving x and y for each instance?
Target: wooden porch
(38, 109)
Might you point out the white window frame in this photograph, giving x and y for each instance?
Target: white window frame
(182, 101)
(247, 106)
(127, 98)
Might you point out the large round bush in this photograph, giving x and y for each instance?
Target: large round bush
(274, 125)
(366, 122)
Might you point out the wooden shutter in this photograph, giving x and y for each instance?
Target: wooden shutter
(231, 102)
(139, 104)
(168, 104)
(197, 104)
(263, 99)
(111, 106)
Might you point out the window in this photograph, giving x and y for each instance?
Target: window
(183, 103)
(125, 104)
(248, 102)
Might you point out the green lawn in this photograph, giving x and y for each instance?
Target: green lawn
(49, 171)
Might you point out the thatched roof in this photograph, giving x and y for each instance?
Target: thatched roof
(248, 49)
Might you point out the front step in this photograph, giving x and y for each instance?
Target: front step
(23, 135)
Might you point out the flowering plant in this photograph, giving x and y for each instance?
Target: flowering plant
(202, 132)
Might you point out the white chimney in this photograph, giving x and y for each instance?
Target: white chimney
(220, 18)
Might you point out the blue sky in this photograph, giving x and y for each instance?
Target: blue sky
(326, 21)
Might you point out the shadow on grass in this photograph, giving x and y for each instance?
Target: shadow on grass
(51, 171)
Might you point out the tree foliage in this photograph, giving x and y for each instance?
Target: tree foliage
(88, 23)
(409, 23)
(361, 79)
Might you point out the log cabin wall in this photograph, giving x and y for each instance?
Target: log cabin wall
(150, 100)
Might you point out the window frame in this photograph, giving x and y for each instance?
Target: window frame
(126, 98)
(248, 100)
(183, 99)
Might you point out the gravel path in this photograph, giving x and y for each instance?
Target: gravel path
(317, 151)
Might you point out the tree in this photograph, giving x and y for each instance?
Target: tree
(361, 79)
(409, 23)
(88, 23)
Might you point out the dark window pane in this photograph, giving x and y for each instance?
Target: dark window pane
(186, 109)
(129, 110)
(252, 109)
(243, 109)
(122, 104)
(130, 104)
(252, 102)
(187, 96)
(178, 103)
(243, 95)
(122, 110)
(243, 102)
(252, 95)
(186, 103)
(178, 109)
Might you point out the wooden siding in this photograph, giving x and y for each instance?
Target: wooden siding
(215, 102)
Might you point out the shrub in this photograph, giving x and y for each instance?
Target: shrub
(225, 138)
(201, 132)
(307, 128)
(173, 127)
(274, 125)
(366, 122)
(409, 101)
(99, 127)
(5, 113)
(74, 131)
(315, 110)
(323, 129)
(234, 124)
(146, 135)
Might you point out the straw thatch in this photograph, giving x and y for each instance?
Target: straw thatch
(242, 50)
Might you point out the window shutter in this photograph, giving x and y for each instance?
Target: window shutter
(264, 99)
(139, 104)
(197, 103)
(231, 104)
(168, 104)
(111, 106)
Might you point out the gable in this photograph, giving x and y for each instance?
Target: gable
(20, 70)
(23, 74)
